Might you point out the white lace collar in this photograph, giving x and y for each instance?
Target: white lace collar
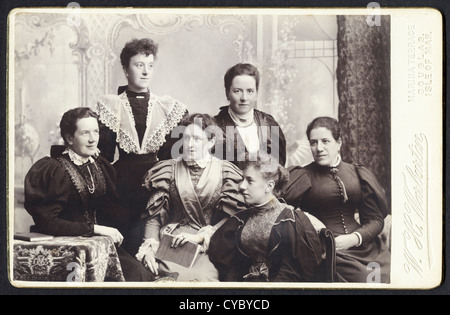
(338, 161)
(164, 114)
(76, 158)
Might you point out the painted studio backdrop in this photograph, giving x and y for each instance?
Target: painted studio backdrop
(310, 66)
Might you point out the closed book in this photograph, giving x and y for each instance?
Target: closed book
(32, 236)
(184, 255)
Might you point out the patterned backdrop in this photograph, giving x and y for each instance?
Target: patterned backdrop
(363, 74)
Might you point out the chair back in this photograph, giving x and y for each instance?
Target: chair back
(329, 263)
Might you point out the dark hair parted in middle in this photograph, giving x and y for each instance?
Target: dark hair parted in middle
(68, 123)
(240, 69)
(270, 170)
(326, 122)
(144, 46)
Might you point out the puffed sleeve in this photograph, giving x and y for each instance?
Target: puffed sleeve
(158, 180)
(231, 200)
(299, 183)
(47, 192)
(373, 208)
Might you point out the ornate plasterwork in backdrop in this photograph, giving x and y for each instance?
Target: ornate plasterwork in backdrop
(96, 34)
(95, 51)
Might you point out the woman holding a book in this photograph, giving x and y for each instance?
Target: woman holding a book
(270, 241)
(191, 197)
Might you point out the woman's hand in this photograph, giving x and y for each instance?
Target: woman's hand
(116, 236)
(146, 254)
(346, 241)
(150, 261)
(182, 238)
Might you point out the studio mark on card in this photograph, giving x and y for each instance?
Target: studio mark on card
(415, 233)
(420, 65)
(226, 305)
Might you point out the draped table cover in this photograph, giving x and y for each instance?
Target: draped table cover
(69, 259)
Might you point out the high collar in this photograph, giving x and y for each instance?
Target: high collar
(76, 158)
(266, 206)
(333, 168)
(242, 120)
(200, 163)
(139, 95)
(337, 163)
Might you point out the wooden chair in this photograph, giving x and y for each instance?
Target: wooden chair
(327, 271)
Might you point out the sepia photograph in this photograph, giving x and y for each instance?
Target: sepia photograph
(225, 148)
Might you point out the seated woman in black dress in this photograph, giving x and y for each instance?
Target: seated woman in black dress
(247, 131)
(269, 241)
(332, 191)
(72, 193)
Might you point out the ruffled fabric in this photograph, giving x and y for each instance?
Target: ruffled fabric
(164, 114)
(161, 177)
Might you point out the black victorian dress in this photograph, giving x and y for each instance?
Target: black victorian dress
(269, 243)
(334, 195)
(271, 137)
(139, 125)
(66, 199)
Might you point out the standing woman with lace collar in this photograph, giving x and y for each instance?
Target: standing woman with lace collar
(139, 124)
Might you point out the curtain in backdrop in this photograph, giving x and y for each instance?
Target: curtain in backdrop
(364, 83)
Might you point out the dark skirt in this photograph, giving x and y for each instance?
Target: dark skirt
(367, 264)
(130, 169)
(133, 270)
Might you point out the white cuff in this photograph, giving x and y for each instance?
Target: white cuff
(359, 237)
(149, 244)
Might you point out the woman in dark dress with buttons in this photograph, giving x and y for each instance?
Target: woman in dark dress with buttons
(332, 191)
(139, 123)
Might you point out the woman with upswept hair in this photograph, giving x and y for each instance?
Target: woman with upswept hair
(138, 123)
(270, 241)
(73, 191)
(191, 197)
(332, 191)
